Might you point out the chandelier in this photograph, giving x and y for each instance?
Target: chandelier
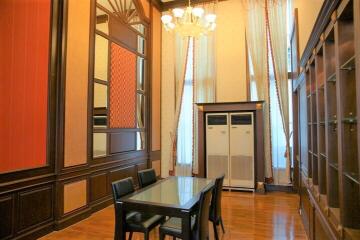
(189, 22)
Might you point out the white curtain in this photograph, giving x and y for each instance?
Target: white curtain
(257, 44)
(278, 42)
(181, 53)
(185, 126)
(204, 79)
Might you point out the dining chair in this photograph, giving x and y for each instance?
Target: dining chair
(215, 207)
(135, 221)
(199, 222)
(146, 177)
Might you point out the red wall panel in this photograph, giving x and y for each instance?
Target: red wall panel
(24, 60)
(122, 88)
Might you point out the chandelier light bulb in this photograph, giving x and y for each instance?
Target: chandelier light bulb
(171, 25)
(178, 12)
(210, 18)
(166, 19)
(198, 12)
(189, 21)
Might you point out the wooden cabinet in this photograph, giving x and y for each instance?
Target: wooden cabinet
(329, 100)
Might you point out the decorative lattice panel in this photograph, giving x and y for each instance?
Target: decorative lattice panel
(122, 88)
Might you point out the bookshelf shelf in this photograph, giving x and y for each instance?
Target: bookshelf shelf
(330, 102)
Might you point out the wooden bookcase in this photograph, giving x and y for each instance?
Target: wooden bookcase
(330, 170)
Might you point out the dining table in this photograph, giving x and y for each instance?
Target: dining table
(172, 197)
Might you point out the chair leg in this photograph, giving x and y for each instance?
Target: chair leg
(130, 235)
(215, 231)
(146, 235)
(162, 236)
(222, 224)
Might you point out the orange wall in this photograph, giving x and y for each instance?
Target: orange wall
(308, 10)
(24, 58)
(76, 89)
(75, 195)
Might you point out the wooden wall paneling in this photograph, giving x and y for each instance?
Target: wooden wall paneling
(98, 186)
(145, 8)
(123, 172)
(357, 75)
(122, 33)
(7, 219)
(122, 142)
(29, 215)
(320, 230)
(304, 203)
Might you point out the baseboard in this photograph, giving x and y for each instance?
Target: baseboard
(103, 203)
(279, 188)
(36, 232)
(73, 218)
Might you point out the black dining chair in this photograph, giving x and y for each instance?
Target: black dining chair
(215, 208)
(146, 177)
(135, 221)
(199, 222)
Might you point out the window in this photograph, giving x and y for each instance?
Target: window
(185, 130)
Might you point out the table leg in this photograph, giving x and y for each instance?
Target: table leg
(186, 225)
(120, 231)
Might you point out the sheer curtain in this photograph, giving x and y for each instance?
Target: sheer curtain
(204, 79)
(181, 56)
(279, 52)
(259, 79)
(185, 135)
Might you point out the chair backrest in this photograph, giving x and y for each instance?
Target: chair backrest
(122, 187)
(202, 220)
(146, 177)
(216, 199)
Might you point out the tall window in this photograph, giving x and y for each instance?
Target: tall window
(278, 139)
(185, 129)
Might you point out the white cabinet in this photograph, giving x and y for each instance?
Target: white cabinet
(230, 148)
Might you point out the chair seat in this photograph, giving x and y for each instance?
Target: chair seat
(141, 222)
(173, 226)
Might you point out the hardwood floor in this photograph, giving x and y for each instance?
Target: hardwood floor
(246, 216)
